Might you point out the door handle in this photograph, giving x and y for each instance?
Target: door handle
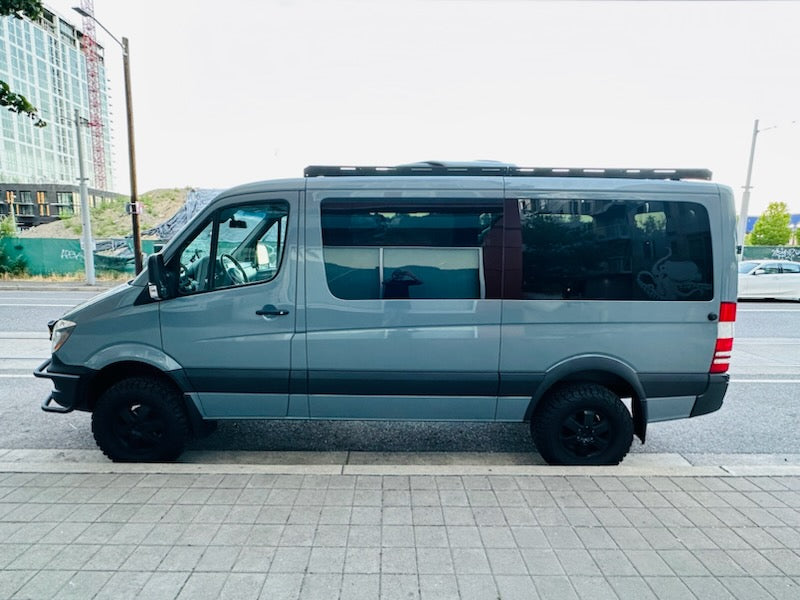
(270, 310)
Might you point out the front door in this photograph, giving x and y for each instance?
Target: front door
(232, 324)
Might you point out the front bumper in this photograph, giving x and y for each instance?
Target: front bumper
(68, 391)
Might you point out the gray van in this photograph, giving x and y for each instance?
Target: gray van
(588, 302)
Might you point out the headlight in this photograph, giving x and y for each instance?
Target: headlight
(61, 332)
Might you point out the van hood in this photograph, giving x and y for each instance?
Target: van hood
(117, 291)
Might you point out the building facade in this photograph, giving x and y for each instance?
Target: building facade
(39, 171)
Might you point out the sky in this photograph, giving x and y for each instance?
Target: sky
(245, 90)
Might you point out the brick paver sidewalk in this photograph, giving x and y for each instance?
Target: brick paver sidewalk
(272, 536)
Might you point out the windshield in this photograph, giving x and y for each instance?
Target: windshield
(747, 266)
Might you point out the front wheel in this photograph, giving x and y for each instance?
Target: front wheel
(140, 419)
(582, 424)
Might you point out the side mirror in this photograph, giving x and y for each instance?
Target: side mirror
(157, 277)
(759, 272)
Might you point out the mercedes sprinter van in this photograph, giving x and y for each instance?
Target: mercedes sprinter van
(588, 302)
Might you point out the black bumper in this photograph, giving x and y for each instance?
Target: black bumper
(69, 384)
(711, 400)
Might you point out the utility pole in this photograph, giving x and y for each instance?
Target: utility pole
(134, 205)
(86, 241)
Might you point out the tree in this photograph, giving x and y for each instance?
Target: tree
(10, 265)
(772, 227)
(17, 102)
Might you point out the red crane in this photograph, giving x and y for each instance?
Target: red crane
(89, 46)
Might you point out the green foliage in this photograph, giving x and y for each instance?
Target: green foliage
(108, 220)
(9, 265)
(30, 8)
(17, 103)
(7, 228)
(773, 226)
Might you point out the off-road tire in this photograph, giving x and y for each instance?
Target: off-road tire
(140, 419)
(582, 424)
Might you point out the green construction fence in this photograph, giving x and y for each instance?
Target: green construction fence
(47, 256)
(772, 252)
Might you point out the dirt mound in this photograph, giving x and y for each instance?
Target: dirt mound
(109, 220)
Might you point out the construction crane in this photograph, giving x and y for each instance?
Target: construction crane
(89, 46)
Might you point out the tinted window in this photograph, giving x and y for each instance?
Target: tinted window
(587, 249)
(395, 249)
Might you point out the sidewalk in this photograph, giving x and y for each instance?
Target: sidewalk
(73, 525)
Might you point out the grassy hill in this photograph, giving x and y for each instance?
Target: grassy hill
(110, 220)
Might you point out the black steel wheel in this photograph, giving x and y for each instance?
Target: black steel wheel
(582, 424)
(140, 419)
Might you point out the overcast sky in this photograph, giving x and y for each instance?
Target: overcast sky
(232, 91)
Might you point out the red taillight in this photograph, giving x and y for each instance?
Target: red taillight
(727, 312)
(722, 350)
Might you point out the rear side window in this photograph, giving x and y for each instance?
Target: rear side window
(412, 249)
(589, 249)
(790, 267)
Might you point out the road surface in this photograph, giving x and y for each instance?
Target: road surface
(761, 414)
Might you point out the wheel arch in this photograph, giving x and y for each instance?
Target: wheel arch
(607, 371)
(114, 372)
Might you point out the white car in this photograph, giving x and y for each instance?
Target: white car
(779, 279)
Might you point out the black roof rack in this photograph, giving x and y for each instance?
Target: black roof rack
(488, 168)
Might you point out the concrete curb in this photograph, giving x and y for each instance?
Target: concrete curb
(346, 463)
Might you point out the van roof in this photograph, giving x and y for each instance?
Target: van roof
(490, 168)
(483, 175)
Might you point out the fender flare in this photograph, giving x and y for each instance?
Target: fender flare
(594, 366)
(160, 361)
(141, 353)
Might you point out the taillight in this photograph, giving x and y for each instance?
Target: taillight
(722, 350)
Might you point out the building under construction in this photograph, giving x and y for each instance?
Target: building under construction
(58, 68)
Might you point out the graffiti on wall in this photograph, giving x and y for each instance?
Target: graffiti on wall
(786, 253)
(71, 255)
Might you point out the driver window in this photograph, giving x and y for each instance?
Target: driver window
(193, 263)
(239, 246)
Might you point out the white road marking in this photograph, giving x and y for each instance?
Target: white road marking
(38, 305)
(765, 380)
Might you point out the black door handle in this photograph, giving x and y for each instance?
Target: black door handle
(269, 310)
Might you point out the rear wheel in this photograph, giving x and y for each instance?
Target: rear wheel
(140, 419)
(582, 424)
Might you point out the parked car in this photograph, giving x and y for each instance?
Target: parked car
(764, 279)
(430, 291)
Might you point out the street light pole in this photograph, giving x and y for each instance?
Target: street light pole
(746, 195)
(134, 203)
(742, 228)
(88, 244)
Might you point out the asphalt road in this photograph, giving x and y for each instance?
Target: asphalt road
(761, 414)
